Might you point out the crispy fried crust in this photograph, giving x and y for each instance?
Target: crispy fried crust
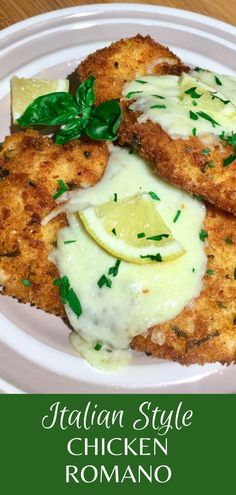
(122, 61)
(30, 166)
(206, 330)
(179, 161)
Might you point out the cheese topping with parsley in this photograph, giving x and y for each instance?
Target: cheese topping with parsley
(196, 103)
(140, 296)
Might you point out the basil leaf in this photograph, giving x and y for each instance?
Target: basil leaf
(70, 132)
(85, 97)
(104, 122)
(50, 109)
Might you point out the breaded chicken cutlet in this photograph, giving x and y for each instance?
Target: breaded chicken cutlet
(179, 161)
(30, 166)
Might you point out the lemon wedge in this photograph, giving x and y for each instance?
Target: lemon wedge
(24, 91)
(131, 230)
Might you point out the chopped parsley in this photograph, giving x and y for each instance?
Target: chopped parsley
(159, 96)
(104, 281)
(194, 131)
(153, 257)
(113, 270)
(218, 81)
(213, 96)
(206, 151)
(115, 197)
(114, 231)
(198, 69)
(193, 270)
(62, 189)
(68, 295)
(158, 237)
(235, 273)
(192, 92)
(141, 82)
(210, 164)
(203, 234)
(154, 196)
(69, 242)
(205, 116)
(131, 93)
(176, 216)
(193, 115)
(194, 103)
(131, 151)
(210, 272)
(140, 235)
(25, 282)
(98, 346)
(228, 240)
(199, 197)
(158, 106)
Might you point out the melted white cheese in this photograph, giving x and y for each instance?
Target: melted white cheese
(141, 295)
(173, 114)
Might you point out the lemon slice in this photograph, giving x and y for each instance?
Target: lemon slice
(131, 230)
(24, 91)
(211, 99)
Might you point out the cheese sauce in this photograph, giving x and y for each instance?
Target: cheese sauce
(141, 295)
(199, 103)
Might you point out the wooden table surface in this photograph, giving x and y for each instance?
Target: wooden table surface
(16, 10)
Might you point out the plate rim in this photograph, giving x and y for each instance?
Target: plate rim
(99, 7)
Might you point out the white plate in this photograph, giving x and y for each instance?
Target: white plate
(35, 355)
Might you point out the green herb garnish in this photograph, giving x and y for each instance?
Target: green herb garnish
(192, 92)
(210, 164)
(206, 151)
(205, 116)
(159, 96)
(158, 106)
(210, 272)
(104, 281)
(77, 115)
(227, 161)
(140, 81)
(114, 231)
(154, 196)
(131, 93)
(228, 240)
(113, 270)
(203, 234)
(140, 235)
(193, 115)
(158, 237)
(62, 189)
(193, 270)
(235, 274)
(194, 103)
(218, 81)
(98, 346)
(115, 197)
(69, 242)
(25, 282)
(199, 197)
(213, 97)
(194, 131)
(154, 257)
(176, 216)
(68, 295)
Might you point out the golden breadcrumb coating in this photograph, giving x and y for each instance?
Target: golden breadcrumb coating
(30, 166)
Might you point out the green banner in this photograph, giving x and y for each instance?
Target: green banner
(100, 444)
